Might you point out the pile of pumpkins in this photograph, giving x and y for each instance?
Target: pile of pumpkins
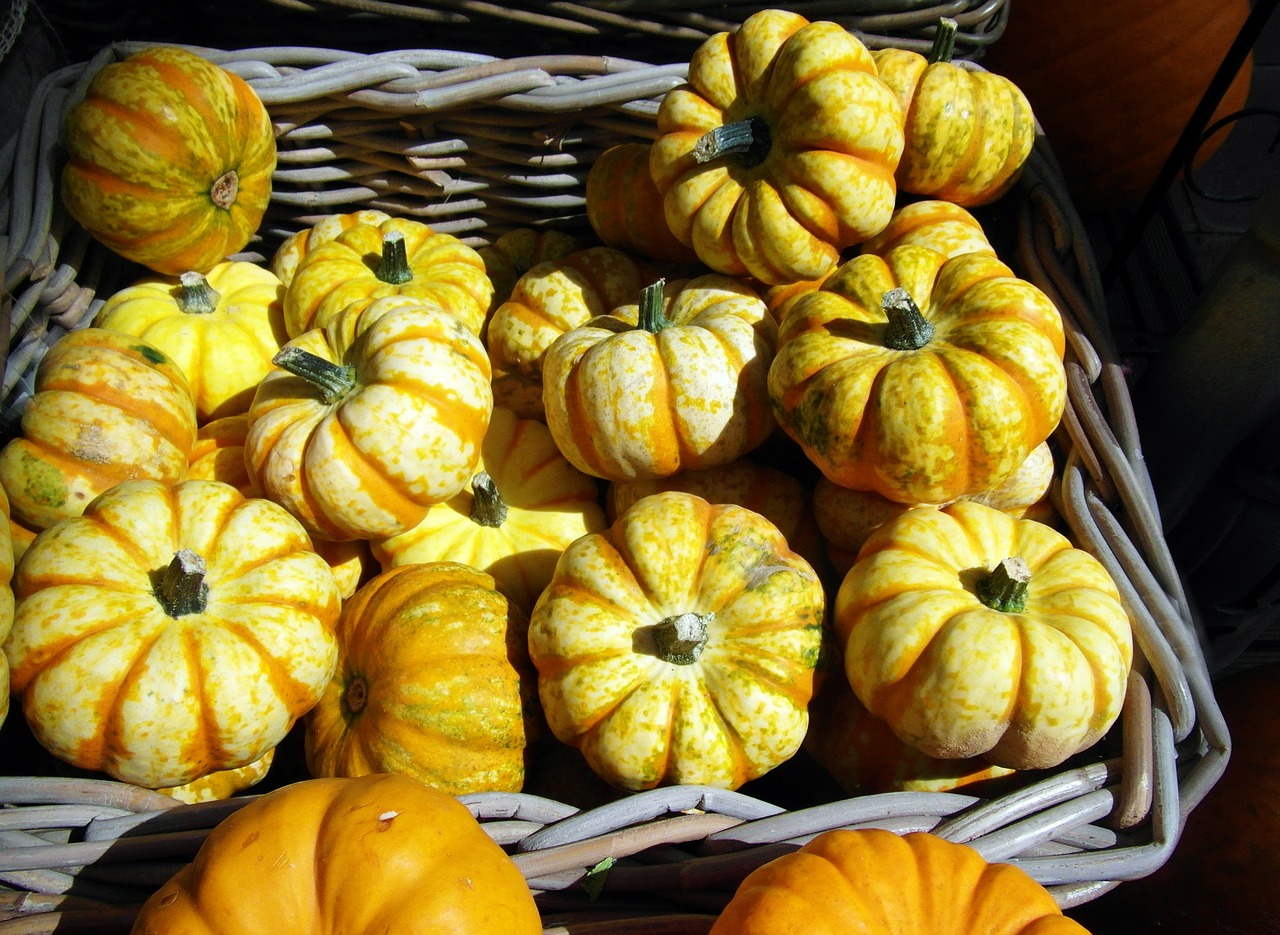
(435, 502)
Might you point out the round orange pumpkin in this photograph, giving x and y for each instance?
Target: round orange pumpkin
(169, 160)
(625, 210)
(346, 857)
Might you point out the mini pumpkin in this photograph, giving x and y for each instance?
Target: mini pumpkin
(351, 856)
(284, 262)
(625, 209)
(873, 881)
(222, 328)
(780, 151)
(433, 681)
(972, 633)
(518, 251)
(679, 645)
(6, 600)
(919, 377)
(675, 381)
(170, 631)
(169, 160)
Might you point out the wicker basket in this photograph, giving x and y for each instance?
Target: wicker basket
(476, 146)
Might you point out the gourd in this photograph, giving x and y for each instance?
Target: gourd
(363, 428)
(968, 131)
(675, 381)
(520, 510)
(287, 257)
(6, 600)
(221, 328)
(106, 407)
(624, 207)
(881, 883)
(972, 633)
(679, 645)
(169, 160)
(780, 151)
(352, 856)
(919, 377)
(520, 250)
(170, 631)
(433, 681)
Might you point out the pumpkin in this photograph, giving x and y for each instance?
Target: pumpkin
(881, 883)
(677, 381)
(968, 131)
(170, 631)
(625, 209)
(920, 377)
(285, 260)
(396, 257)
(362, 430)
(780, 498)
(222, 328)
(433, 680)
(679, 645)
(847, 517)
(6, 601)
(169, 160)
(865, 757)
(781, 149)
(105, 407)
(556, 296)
(524, 505)
(1115, 85)
(518, 251)
(224, 783)
(972, 633)
(351, 856)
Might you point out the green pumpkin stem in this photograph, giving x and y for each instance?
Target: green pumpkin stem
(487, 506)
(944, 41)
(334, 381)
(224, 191)
(394, 267)
(651, 317)
(682, 638)
(195, 295)
(182, 589)
(1004, 588)
(749, 138)
(908, 329)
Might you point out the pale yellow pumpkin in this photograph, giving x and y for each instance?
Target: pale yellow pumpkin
(284, 262)
(523, 507)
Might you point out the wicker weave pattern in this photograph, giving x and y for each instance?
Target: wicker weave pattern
(478, 145)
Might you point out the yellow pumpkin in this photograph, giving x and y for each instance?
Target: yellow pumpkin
(525, 504)
(972, 633)
(224, 783)
(346, 857)
(362, 430)
(919, 377)
(518, 251)
(222, 328)
(679, 645)
(433, 681)
(873, 881)
(780, 151)
(171, 631)
(106, 407)
(364, 262)
(285, 260)
(677, 381)
(968, 131)
(6, 601)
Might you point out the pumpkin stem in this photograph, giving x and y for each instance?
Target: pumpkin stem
(908, 329)
(682, 638)
(334, 381)
(749, 137)
(225, 189)
(487, 507)
(394, 268)
(195, 295)
(651, 318)
(182, 589)
(1004, 588)
(944, 41)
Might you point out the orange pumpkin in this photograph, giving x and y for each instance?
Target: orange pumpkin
(625, 210)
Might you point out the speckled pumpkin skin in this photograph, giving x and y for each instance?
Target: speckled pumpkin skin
(955, 678)
(956, 416)
(6, 600)
(739, 709)
(111, 682)
(827, 179)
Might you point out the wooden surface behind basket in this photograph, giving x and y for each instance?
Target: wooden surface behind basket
(478, 145)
